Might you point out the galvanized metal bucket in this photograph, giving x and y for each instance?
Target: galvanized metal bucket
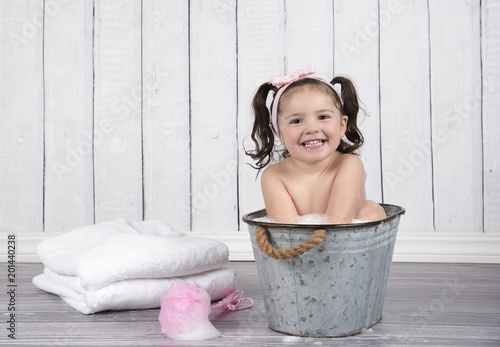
(335, 289)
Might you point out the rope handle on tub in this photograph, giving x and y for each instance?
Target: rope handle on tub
(264, 245)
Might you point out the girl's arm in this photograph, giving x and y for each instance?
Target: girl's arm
(347, 190)
(279, 205)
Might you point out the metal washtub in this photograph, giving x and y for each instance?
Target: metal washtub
(334, 289)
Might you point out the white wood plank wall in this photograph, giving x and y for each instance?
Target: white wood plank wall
(141, 109)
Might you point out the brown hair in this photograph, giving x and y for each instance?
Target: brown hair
(264, 137)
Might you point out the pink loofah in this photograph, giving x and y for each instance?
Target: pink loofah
(184, 313)
(185, 309)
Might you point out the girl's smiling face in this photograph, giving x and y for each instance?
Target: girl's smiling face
(310, 124)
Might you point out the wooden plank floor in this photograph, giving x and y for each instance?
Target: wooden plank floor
(427, 304)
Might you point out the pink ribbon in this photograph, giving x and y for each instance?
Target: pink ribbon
(279, 81)
(232, 301)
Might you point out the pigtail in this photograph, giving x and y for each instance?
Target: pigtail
(350, 109)
(262, 134)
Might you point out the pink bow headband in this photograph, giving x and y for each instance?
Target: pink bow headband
(285, 81)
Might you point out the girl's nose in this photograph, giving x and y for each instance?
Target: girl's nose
(312, 128)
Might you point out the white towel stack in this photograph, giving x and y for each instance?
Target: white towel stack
(119, 265)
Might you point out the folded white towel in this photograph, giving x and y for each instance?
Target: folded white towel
(132, 293)
(117, 250)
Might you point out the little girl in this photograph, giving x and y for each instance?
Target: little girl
(318, 172)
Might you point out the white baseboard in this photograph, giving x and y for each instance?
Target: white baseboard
(410, 246)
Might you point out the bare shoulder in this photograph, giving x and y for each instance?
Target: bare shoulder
(350, 162)
(274, 175)
(274, 171)
(270, 174)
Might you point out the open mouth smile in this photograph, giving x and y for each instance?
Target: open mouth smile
(314, 143)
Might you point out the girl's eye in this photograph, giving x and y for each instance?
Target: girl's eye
(323, 117)
(295, 121)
